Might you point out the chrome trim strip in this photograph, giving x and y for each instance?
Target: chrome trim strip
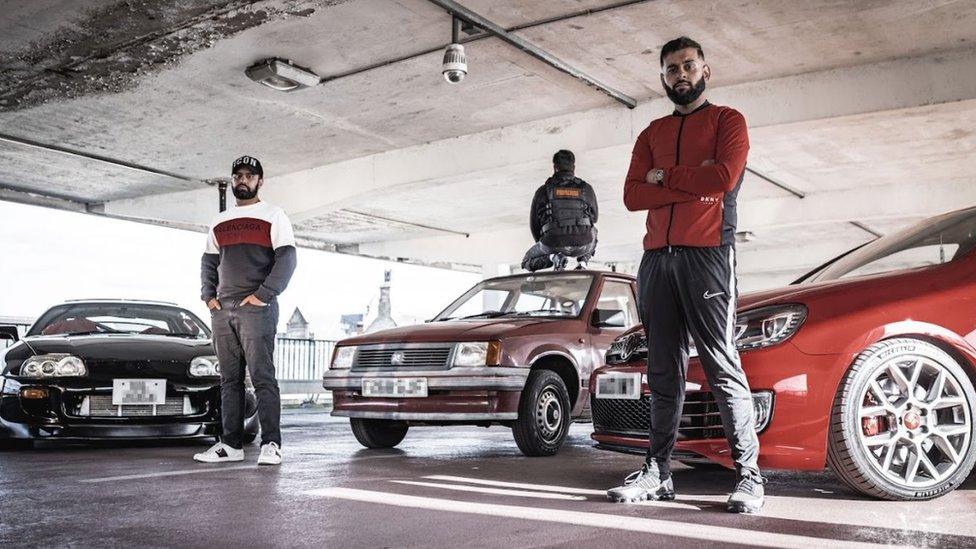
(495, 384)
(427, 416)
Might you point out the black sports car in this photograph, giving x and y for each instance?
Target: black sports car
(112, 369)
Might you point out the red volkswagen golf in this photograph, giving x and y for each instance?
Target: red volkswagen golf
(865, 365)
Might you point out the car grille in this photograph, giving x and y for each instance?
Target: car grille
(700, 417)
(101, 406)
(414, 357)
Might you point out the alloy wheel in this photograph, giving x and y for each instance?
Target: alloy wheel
(915, 421)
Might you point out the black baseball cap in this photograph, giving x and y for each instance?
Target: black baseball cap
(250, 162)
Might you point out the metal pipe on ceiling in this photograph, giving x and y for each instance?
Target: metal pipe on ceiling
(533, 24)
(867, 229)
(795, 192)
(408, 223)
(459, 11)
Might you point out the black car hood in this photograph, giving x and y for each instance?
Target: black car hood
(116, 347)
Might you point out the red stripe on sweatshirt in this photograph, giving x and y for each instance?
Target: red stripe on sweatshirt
(243, 230)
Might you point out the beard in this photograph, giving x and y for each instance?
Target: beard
(688, 96)
(242, 192)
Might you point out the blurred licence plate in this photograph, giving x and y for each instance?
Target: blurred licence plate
(138, 391)
(403, 387)
(623, 386)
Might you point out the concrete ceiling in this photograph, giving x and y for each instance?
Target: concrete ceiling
(866, 108)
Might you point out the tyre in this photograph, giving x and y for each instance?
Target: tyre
(252, 428)
(544, 414)
(378, 433)
(901, 426)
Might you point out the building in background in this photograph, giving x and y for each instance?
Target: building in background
(298, 327)
(383, 320)
(351, 325)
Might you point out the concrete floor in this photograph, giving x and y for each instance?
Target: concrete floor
(444, 487)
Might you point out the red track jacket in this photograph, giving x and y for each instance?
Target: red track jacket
(695, 205)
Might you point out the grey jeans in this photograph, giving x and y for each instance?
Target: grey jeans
(682, 291)
(244, 337)
(537, 257)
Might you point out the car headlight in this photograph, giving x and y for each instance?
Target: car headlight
(477, 353)
(205, 366)
(768, 326)
(754, 329)
(342, 358)
(53, 365)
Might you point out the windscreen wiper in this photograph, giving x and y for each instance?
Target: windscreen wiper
(486, 314)
(90, 332)
(553, 312)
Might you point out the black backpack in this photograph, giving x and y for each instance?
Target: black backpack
(567, 211)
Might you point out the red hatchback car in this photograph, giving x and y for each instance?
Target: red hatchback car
(515, 351)
(865, 365)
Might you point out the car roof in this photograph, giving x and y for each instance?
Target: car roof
(118, 300)
(608, 274)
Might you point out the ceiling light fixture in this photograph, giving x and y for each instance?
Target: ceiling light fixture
(282, 75)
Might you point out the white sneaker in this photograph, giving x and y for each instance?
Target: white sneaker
(270, 454)
(219, 453)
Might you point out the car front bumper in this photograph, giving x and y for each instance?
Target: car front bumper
(57, 415)
(803, 388)
(457, 395)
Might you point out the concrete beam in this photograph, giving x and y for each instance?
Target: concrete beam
(903, 83)
(10, 194)
(898, 84)
(863, 204)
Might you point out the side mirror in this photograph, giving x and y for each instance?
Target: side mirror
(9, 332)
(607, 318)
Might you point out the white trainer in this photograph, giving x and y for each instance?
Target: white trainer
(270, 454)
(219, 453)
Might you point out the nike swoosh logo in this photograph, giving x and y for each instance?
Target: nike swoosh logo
(708, 295)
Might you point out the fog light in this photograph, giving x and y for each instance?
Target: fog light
(33, 393)
(762, 406)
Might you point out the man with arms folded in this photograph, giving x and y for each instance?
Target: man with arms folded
(686, 171)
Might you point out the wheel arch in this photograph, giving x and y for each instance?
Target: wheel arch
(564, 366)
(945, 339)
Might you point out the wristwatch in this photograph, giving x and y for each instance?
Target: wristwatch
(657, 176)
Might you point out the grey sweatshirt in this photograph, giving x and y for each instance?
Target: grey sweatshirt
(250, 250)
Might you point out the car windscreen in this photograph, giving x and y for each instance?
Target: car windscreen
(553, 295)
(115, 318)
(932, 242)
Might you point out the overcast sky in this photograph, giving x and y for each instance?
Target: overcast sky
(50, 256)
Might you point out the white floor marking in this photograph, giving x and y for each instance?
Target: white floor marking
(703, 532)
(560, 489)
(520, 485)
(493, 491)
(212, 469)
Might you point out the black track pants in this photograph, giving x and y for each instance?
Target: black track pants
(692, 291)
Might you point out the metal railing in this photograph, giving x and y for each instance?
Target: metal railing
(302, 361)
